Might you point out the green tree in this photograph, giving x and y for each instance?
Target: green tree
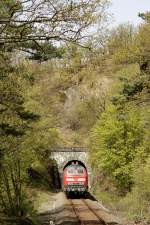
(14, 123)
(43, 52)
(122, 44)
(145, 16)
(115, 140)
(67, 21)
(144, 43)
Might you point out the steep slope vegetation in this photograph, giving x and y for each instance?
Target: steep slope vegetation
(105, 96)
(74, 92)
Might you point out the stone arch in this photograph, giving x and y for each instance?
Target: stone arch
(63, 158)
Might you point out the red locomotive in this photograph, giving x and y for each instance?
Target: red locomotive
(75, 178)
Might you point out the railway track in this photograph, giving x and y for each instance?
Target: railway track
(79, 220)
(95, 213)
(67, 211)
(85, 214)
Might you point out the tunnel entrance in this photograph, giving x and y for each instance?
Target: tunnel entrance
(55, 176)
(73, 162)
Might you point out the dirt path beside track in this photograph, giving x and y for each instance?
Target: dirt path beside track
(75, 211)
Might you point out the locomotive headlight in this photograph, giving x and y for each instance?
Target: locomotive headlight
(81, 179)
(69, 179)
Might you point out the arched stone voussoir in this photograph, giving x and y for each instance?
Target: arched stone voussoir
(62, 158)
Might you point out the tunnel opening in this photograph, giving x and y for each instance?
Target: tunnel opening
(55, 176)
(74, 162)
(45, 175)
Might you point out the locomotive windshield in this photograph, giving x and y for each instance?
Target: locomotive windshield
(75, 170)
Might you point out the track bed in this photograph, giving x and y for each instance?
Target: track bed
(71, 211)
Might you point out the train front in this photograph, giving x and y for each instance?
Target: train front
(75, 178)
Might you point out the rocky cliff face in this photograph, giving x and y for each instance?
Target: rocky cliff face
(74, 99)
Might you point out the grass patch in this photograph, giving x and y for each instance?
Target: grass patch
(39, 197)
(110, 200)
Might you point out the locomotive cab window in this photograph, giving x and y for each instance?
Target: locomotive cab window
(80, 170)
(75, 170)
(70, 170)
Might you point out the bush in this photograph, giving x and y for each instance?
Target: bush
(115, 141)
(137, 202)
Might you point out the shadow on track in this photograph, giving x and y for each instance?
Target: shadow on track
(81, 196)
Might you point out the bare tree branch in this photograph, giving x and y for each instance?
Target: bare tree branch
(40, 20)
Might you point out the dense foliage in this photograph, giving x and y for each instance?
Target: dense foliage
(119, 139)
(15, 121)
(28, 124)
(78, 97)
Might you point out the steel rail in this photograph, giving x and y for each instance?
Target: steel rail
(77, 214)
(95, 213)
(101, 221)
